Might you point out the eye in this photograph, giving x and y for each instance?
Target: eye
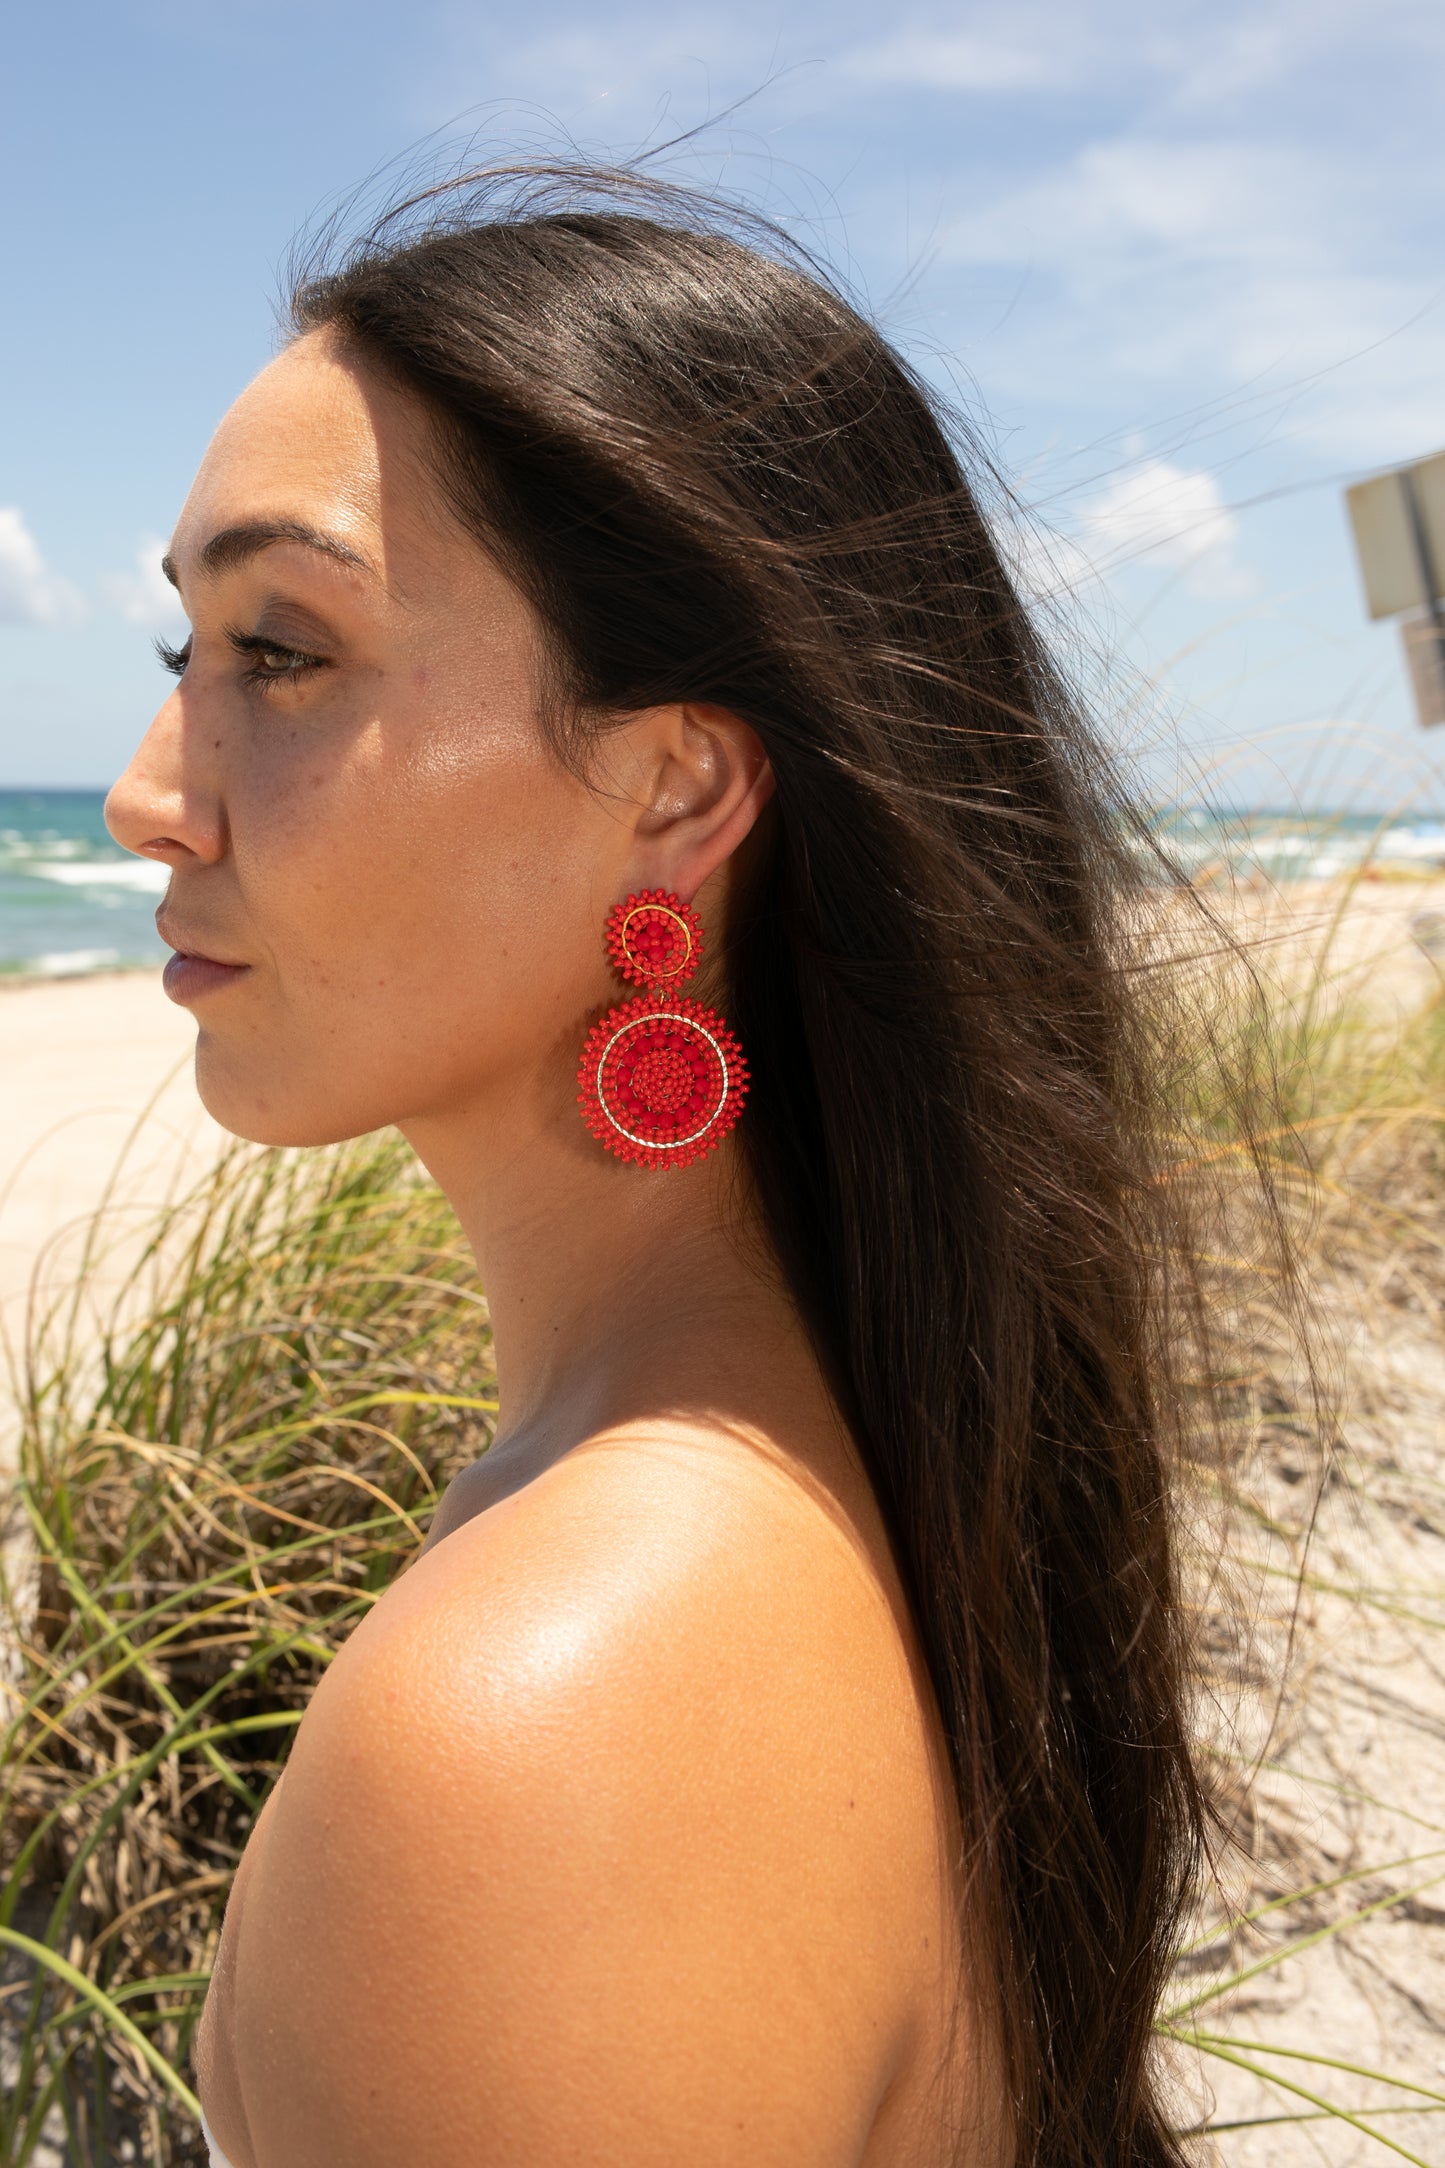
(173, 659)
(269, 662)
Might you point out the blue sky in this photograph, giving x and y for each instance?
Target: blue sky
(1181, 262)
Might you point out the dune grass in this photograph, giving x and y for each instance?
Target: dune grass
(1322, 1576)
(207, 1503)
(217, 1483)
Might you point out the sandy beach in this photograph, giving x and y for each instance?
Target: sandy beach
(81, 1063)
(1381, 938)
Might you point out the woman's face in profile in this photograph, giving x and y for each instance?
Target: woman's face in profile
(387, 892)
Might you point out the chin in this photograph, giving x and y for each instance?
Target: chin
(275, 1109)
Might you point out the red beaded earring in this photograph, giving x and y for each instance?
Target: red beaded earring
(662, 1080)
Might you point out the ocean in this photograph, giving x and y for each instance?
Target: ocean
(72, 902)
(1207, 844)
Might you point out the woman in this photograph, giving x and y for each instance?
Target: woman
(610, 749)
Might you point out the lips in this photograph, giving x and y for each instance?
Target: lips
(189, 978)
(191, 974)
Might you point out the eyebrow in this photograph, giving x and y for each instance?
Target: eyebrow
(235, 546)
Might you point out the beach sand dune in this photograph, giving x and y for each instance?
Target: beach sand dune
(81, 1062)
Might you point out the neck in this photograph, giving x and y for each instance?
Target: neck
(615, 1292)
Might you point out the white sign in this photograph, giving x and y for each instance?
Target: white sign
(1425, 661)
(1399, 523)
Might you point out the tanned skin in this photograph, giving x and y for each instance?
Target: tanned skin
(618, 1834)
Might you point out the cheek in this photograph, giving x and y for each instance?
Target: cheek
(437, 872)
(312, 821)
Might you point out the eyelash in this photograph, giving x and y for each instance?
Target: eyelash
(255, 645)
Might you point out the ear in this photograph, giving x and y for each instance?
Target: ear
(704, 780)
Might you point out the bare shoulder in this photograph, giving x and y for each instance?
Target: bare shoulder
(612, 1835)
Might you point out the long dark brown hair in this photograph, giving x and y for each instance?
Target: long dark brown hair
(717, 482)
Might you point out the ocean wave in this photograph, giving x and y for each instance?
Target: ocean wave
(72, 963)
(48, 844)
(71, 901)
(1290, 848)
(1425, 842)
(142, 874)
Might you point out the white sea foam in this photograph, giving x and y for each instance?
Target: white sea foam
(20, 849)
(1426, 842)
(1283, 847)
(73, 963)
(138, 873)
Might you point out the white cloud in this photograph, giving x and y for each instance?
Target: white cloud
(919, 60)
(1208, 199)
(145, 595)
(1220, 199)
(30, 593)
(1046, 564)
(1251, 270)
(1195, 56)
(1154, 511)
(1157, 509)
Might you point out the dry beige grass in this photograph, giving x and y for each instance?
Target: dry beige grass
(1317, 1986)
(205, 1510)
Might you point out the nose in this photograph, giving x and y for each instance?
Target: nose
(162, 806)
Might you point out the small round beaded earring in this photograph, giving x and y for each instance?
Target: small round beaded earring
(662, 1080)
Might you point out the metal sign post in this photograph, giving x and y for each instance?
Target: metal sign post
(1399, 526)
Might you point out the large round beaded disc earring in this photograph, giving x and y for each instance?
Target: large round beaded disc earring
(662, 1080)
